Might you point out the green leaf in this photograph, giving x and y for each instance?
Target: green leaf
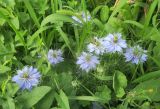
(98, 23)
(15, 22)
(32, 12)
(103, 92)
(12, 89)
(4, 69)
(62, 99)
(148, 76)
(150, 88)
(13, 27)
(86, 98)
(65, 38)
(9, 3)
(150, 12)
(119, 83)
(103, 77)
(46, 102)
(95, 11)
(29, 99)
(104, 13)
(9, 104)
(134, 23)
(54, 18)
(117, 8)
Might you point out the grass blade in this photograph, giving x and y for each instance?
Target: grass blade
(32, 12)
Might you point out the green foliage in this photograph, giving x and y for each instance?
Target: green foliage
(28, 99)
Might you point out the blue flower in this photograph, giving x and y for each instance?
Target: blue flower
(114, 43)
(27, 78)
(55, 56)
(136, 55)
(85, 16)
(97, 46)
(87, 61)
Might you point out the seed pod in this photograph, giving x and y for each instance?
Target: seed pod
(104, 13)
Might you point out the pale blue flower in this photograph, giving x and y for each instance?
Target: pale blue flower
(136, 55)
(27, 78)
(55, 56)
(85, 16)
(115, 43)
(97, 46)
(87, 61)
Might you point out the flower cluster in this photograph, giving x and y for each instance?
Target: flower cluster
(29, 77)
(112, 43)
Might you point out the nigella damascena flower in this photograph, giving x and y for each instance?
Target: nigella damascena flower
(27, 78)
(97, 46)
(55, 56)
(136, 55)
(114, 43)
(87, 61)
(85, 16)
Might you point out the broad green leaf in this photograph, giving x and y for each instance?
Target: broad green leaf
(8, 103)
(62, 100)
(119, 83)
(29, 99)
(46, 102)
(150, 88)
(103, 92)
(12, 89)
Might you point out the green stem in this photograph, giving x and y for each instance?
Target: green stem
(134, 74)
(86, 89)
(142, 70)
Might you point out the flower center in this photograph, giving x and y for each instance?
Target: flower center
(136, 52)
(96, 42)
(25, 75)
(54, 55)
(88, 58)
(115, 40)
